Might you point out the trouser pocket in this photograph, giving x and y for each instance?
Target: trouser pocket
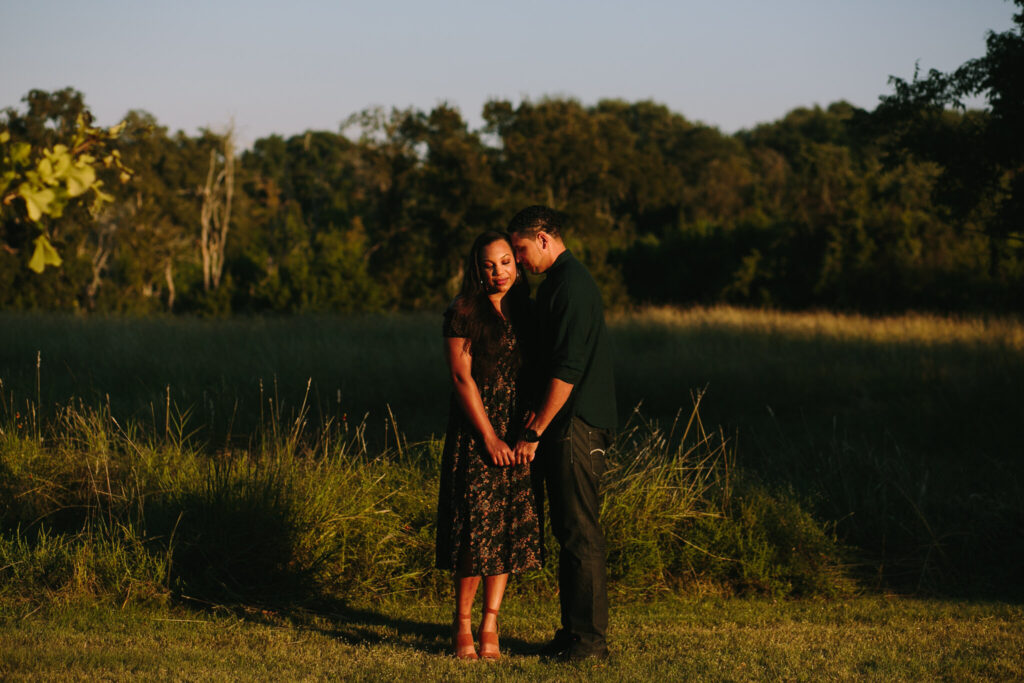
(588, 449)
(574, 475)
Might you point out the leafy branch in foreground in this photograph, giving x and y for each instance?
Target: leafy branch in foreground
(42, 182)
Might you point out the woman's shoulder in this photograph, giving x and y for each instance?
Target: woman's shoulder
(460, 306)
(456, 317)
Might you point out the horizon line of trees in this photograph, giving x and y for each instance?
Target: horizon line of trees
(915, 205)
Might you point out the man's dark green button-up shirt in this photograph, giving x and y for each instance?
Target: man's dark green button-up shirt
(575, 341)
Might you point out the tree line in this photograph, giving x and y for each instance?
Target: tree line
(913, 205)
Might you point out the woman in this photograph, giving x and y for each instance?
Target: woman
(487, 520)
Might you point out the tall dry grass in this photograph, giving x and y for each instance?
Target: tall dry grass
(94, 507)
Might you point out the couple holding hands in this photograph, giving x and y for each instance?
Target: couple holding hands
(532, 411)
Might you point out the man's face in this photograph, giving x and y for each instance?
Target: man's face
(530, 251)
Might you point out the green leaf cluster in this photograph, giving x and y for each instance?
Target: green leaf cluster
(46, 180)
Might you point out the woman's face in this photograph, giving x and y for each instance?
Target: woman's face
(498, 266)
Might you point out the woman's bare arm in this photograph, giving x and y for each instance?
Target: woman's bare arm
(460, 364)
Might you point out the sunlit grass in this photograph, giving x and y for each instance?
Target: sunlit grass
(709, 639)
(908, 328)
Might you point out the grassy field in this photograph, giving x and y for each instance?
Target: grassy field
(809, 372)
(253, 499)
(867, 638)
(932, 384)
(901, 434)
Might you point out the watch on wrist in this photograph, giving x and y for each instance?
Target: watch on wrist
(530, 436)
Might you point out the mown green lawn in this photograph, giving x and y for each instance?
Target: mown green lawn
(872, 638)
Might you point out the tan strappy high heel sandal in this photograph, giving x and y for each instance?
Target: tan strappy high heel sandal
(489, 639)
(462, 643)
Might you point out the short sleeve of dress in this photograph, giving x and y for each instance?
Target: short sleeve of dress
(454, 323)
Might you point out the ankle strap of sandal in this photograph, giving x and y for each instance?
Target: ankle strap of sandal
(488, 610)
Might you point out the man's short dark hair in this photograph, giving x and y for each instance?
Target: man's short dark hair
(533, 219)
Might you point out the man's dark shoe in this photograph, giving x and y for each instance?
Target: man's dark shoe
(557, 646)
(578, 653)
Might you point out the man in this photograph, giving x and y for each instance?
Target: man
(572, 426)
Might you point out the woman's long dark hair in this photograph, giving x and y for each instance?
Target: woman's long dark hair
(482, 323)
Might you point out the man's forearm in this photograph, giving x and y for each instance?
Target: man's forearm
(557, 394)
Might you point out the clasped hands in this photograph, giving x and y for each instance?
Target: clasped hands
(502, 454)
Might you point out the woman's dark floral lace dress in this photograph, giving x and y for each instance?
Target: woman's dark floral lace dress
(487, 520)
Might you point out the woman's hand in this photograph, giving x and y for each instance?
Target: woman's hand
(499, 451)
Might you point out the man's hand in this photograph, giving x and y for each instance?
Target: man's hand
(525, 452)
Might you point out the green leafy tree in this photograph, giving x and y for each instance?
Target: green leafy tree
(387, 189)
(307, 249)
(981, 153)
(457, 196)
(151, 223)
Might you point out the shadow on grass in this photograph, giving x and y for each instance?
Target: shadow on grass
(363, 626)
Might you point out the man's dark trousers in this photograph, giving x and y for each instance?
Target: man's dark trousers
(574, 465)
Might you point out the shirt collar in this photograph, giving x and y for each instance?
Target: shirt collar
(561, 260)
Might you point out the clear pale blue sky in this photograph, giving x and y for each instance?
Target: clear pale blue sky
(288, 66)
